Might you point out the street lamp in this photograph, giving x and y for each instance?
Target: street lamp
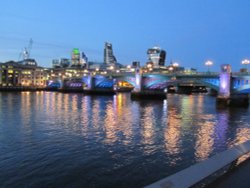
(111, 67)
(149, 65)
(170, 69)
(175, 64)
(128, 68)
(245, 62)
(208, 64)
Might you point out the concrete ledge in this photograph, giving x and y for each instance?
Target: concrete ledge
(200, 171)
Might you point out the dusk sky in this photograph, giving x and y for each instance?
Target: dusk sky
(191, 31)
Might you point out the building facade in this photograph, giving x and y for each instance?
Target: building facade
(75, 58)
(109, 57)
(15, 74)
(156, 56)
(61, 63)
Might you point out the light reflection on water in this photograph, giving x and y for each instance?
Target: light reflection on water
(71, 140)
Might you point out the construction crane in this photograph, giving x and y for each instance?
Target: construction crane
(26, 52)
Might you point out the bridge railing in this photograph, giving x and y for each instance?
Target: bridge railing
(241, 73)
(180, 73)
(166, 73)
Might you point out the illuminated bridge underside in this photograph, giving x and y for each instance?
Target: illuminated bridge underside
(98, 81)
(241, 84)
(161, 81)
(103, 82)
(212, 83)
(155, 82)
(129, 79)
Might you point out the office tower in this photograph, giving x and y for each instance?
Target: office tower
(156, 56)
(109, 57)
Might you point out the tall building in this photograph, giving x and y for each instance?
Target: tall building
(56, 63)
(75, 57)
(61, 63)
(78, 59)
(84, 60)
(64, 62)
(156, 56)
(109, 57)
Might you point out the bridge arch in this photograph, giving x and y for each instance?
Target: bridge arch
(241, 84)
(157, 81)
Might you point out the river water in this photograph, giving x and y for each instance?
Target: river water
(51, 139)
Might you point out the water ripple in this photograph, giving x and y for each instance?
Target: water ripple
(50, 139)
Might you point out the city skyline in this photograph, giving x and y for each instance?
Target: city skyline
(191, 32)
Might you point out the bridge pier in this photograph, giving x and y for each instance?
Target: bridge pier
(90, 82)
(233, 100)
(140, 93)
(92, 89)
(212, 92)
(226, 97)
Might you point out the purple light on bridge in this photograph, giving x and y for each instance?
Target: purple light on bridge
(138, 80)
(224, 82)
(225, 79)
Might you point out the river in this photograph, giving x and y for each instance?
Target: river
(52, 139)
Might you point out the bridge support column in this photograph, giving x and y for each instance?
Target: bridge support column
(90, 82)
(239, 100)
(226, 97)
(138, 80)
(139, 92)
(212, 92)
(92, 87)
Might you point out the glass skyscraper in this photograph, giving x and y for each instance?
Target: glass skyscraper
(156, 56)
(109, 57)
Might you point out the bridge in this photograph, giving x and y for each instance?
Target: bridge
(161, 81)
(232, 88)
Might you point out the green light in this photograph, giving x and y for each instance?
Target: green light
(76, 51)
